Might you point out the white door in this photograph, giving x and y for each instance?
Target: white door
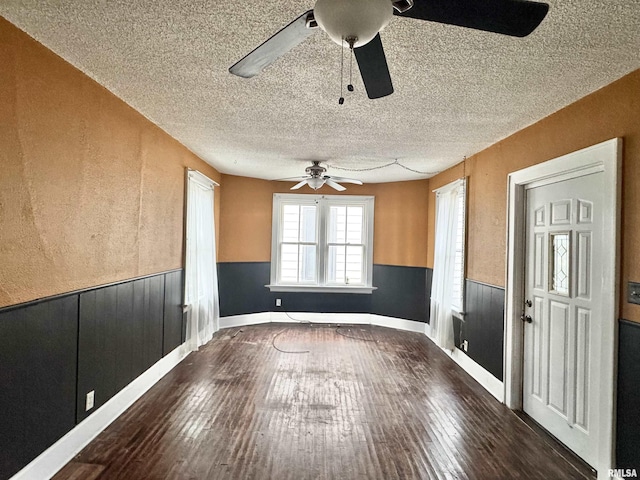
(562, 310)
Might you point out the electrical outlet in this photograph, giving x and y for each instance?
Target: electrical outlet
(633, 292)
(278, 302)
(90, 399)
(465, 345)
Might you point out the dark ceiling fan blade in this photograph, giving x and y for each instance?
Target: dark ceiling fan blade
(276, 46)
(517, 18)
(374, 69)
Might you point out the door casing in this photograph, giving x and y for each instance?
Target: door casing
(604, 157)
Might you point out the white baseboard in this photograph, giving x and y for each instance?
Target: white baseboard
(334, 318)
(490, 383)
(427, 330)
(398, 323)
(49, 462)
(242, 320)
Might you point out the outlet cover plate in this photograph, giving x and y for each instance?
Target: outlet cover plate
(90, 400)
(633, 293)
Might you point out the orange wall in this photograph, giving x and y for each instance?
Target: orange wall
(613, 111)
(400, 218)
(91, 192)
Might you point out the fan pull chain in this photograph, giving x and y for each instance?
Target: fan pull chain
(341, 99)
(350, 86)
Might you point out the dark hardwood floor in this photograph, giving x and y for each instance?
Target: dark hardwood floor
(356, 402)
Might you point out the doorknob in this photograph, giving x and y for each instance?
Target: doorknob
(528, 303)
(526, 318)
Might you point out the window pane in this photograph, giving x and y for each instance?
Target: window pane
(355, 258)
(354, 224)
(336, 264)
(345, 264)
(298, 263)
(307, 263)
(345, 224)
(290, 223)
(337, 224)
(289, 263)
(560, 263)
(308, 223)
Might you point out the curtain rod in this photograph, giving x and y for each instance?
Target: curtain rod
(204, 177)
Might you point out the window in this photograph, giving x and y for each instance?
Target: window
(560, 248)
(447, 286)
(450, 243)
(322, 243)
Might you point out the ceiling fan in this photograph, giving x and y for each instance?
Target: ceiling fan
(355, 24)
(315, 178)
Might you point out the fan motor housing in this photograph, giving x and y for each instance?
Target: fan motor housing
(315, 170)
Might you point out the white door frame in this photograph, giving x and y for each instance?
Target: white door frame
(605, 157)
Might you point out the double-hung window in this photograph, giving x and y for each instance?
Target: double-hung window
(322, 243)
(299, 243)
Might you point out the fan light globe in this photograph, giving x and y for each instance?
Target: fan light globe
(315, 182)
(362, 19)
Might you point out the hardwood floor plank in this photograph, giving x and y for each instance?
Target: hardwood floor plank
(361, 402)
(81, 471)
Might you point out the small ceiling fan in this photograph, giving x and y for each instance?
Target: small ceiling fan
(355, 24)
(315, 178)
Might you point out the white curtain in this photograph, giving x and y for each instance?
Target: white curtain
(441, 318)
(201, 278)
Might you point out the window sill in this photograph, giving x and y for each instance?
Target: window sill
(326, 289)
(458, 314)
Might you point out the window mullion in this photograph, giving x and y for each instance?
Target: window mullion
(323, 248)
(299, 250)
(280, 228)
(346, 238)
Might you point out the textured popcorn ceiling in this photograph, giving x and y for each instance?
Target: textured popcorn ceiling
(457, 90)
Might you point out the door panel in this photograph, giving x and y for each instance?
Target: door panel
(561, 212)
(564, 235)
(539, 261)
(583, 247)
(537, 339)
(558, 345)
(582, 371)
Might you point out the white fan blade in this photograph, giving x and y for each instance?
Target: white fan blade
(333, 184)
(292, 179)
(346, 180)
(298, 185)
